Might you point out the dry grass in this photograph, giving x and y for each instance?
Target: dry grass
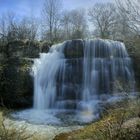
(9, 130)
(112, 126)
(12, 133)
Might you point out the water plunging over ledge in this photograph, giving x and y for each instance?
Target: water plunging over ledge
(75, 77)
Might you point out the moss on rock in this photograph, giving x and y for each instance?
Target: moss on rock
(16, 84)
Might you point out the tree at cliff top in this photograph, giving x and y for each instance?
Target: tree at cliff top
(74, 24)
(11, 29)
(131, 10)
(51, 14)
(102, 16)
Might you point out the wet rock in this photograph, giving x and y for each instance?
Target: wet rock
(45, 46)
(74, 49)
(69, 91)
(16, 86)
(72, 73)
(16, 82)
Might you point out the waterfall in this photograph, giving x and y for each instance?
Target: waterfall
(105, 62)
(73, 75)
(45, 72)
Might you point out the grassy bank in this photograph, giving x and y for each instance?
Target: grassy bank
(120, 122)
(10, 132)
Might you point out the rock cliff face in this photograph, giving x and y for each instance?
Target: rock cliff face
(16, 82)
(74, 49)
(77, 72)
(16, 59)
(133, 48)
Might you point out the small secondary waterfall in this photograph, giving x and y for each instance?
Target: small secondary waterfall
(72, 75)
(45, 70)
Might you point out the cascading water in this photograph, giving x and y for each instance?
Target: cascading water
(77, 75)
(105, 62)
(45, 72)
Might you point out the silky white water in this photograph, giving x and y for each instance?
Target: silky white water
(75, 77)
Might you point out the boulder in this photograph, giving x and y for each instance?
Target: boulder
(74, 49)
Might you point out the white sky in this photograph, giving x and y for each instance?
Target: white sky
(72, 4)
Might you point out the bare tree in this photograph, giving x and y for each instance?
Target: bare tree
(51, 14)
(131, 10)
(103, 16)
(79, 23)
(8, 26)
(27, 29)
(66, 25)
(11, 29)
(74, 24)
(3, 29)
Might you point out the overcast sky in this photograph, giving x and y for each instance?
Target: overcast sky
(33, 7)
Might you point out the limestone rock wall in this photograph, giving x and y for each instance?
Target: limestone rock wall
(16, 82)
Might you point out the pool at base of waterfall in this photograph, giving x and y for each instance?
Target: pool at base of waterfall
(56, 117)
(52, 117)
